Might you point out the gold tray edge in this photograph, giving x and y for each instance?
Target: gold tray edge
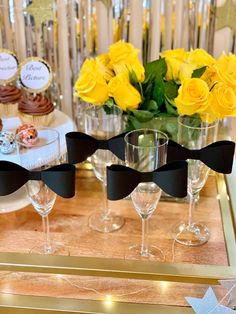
(227, 217)
(103, 267)
(19, 304)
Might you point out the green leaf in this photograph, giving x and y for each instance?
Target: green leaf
(110, 102)
(155, 68)
(142, 115)
(147, 89)
(171, 89)
(170, 109)
(133, 123)
(152, 105)
(158, 92)
(108, 105)
(170, 101)
(164, 114)
(147, 140)
(198, 72)
(133, 77)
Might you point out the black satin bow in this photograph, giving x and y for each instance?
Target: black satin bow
(60, 179)
(217, 156)
(80, 146)
(172, 179)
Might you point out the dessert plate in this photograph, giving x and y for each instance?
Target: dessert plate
(17, 200)
(14, 201)
(62, 123)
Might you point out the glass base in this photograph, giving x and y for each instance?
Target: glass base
(153, 253)
(101, 222)
(191, 235)
(56, 249)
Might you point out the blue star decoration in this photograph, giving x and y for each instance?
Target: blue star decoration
(208, 304)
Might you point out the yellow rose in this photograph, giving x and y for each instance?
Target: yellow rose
(186, 71)
(91, 86)
(124, 58)
(193, 97)
(128, 67)
(226, 70)
(223, 101)
(174, 60)
(210, 76)
(200, 58)
(179, 54)
(121, 52)
(103, 65)
(227, 63)
(216, 74)
(124, 94)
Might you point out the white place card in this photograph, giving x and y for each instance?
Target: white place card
(35, 75)
(8, 66)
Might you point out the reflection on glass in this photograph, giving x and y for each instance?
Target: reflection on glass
(146, 151)
(194, 133)
(38, 156)
(103, 125)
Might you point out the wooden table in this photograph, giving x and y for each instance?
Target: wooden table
(21, 231)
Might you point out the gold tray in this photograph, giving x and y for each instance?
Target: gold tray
(181, 274)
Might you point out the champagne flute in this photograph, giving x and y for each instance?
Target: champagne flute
(145, 151)
(37, 156)
(103, 125)
(194, 133)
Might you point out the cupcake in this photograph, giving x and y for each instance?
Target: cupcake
(1, 125)
(9, 99)
(36, 109)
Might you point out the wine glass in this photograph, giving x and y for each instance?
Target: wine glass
(194, 133)
(145, 151)
(103, 125)
(39, 155)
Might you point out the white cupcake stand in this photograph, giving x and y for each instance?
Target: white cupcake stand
(17, 200)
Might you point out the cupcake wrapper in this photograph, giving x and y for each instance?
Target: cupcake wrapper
(38, 121)
(8, 110)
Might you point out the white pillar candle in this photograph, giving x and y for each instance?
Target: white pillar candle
(223, 41)
(185, 38)
(136, 24)
(87, 18)
(104, 26)
(168, 24)
(178, 33)
(20, 30)
(155, 30)
(64, 61)
(7, 25)
(73, 37)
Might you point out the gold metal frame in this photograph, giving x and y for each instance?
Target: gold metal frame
(103, 267)
(40, 305)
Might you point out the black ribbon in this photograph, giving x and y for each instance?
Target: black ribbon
(60, 179)
(217, 156)
(80, 146)
(172, 179)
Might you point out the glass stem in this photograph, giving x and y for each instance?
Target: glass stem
(106, 209)
(144, 244)
(47, 243)
(192, 202)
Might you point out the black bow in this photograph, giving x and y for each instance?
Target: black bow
(80, 146)
(60, 179)
(172, 179)
(217, 156)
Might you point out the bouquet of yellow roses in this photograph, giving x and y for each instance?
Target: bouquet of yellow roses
(179, 82)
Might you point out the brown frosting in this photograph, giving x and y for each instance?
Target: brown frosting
(35, 105)
(9, 94)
